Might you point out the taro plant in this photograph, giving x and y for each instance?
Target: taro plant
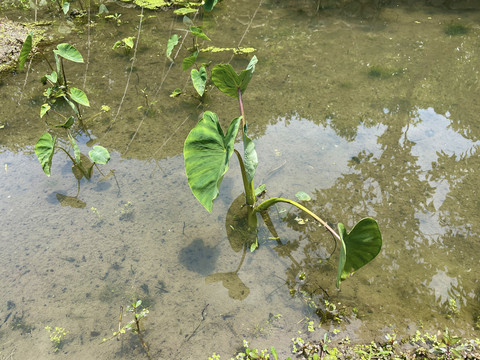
(207, 152)
(57, 95)
(198, 74)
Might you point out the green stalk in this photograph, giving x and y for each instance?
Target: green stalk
(249, 188)
(267, 203)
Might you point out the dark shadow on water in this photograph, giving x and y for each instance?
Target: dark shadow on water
(198, 257)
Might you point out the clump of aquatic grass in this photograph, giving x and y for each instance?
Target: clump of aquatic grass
(456, 29)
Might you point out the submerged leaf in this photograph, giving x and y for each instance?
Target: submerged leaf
(44, 149)
(26, 48)
(172, 42)
(303, 196)
(359, 247)
(207, 153)
(199, 79)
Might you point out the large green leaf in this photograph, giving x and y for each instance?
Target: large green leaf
(26, 48)
(99, 155)
(250, 159)
(68, 52)
(44, 149)
(207, 153)
(199, 79)
(79, 96)
(359, 247)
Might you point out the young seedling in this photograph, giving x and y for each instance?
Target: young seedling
(207, 151)
(133, 325)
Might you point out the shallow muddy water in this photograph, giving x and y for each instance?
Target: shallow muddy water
(373, 111)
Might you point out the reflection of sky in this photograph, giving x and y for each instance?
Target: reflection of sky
(316, 151)
(431, 134)
(442, 285)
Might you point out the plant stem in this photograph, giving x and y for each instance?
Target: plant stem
(249, 188)
(267, 203)
(244, 121)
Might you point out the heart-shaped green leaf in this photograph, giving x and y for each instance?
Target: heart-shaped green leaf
(26, 48)
(207, 153)
(79, 96)
(68, 52)
(52, 77)
(99, 155)
(199, 79)
(358, 248)
(44, 149)
(227, 80)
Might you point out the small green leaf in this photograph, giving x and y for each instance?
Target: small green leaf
(68, 52)
(117, 45)
(129, 41)
(198, 32)
(66, 7)
(259, 190)
(184, 11)
(176, 92)
(172, 42)
(359, 247)
(187, 21)
(44, 109)
(189, 61)
(44, 149)
(79, 96)
(52, 77)
(303, 196)
(209, 5)
(250, 159)
(99, 155)
(67, 124)
(26, 48)
(102, 9)
(246, 75)
(199, 79)
(207, 153)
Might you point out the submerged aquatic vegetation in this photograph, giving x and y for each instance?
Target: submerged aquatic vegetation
(456, 29)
